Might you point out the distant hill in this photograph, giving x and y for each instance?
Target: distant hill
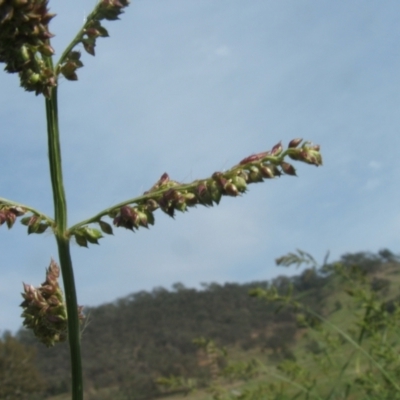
(136, 339)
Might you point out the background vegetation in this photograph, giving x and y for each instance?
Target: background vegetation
(131, 343)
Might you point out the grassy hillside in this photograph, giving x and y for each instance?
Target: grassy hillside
(349, 352)
(132, 342)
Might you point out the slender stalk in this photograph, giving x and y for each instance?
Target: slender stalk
(60, 208)
(181, 187)
(73, 319)
(77, 37)
(358, 347)
(304, 389)
(27, 208)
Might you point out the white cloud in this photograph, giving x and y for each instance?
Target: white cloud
(222, 51)
(372, 184)
(375, 165)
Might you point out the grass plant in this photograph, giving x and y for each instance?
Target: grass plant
(26, 50)
(355, 353)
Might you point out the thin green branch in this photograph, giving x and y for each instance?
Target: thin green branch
(77, 39)
(141, 199)
(135, 200)
(248, 166)
(27, 208)
(273, 296)
(283, 378)
(340, 375)
(356, 346)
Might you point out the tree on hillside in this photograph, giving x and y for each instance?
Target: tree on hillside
(19, 379)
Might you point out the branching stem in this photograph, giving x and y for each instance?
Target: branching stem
(60, 208)
(28, 208)
(158, 193)
(76, 39)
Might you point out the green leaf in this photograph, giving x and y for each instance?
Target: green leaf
(106, 228)
(92, 235)
(80, 240)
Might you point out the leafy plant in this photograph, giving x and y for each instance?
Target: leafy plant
(357, 361)
(25, 48)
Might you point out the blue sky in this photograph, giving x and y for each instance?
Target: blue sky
(192, 87)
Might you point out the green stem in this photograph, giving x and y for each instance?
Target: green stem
(77, 39)
(73, 319)
(138, 199)
(304, 389)
(60, 208)
(158, 193)
(28, 208)
(358, 347)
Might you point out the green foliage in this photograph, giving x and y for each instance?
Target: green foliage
(356, 360)
(174, 384)
(299, 258)
(19, 378)
(130, 344)
(138, 338)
